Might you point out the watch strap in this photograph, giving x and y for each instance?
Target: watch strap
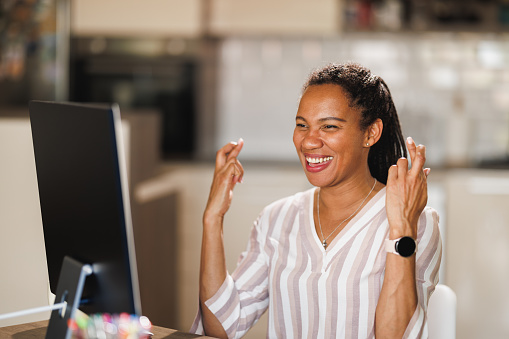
(391, 245)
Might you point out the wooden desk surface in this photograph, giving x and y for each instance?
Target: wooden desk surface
(38, 330)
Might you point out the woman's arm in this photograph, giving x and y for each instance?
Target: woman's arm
(228, 172)
(406, 199)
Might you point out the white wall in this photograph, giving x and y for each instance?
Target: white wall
(478, 251)
(23, 273)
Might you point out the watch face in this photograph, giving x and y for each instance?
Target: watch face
(405, 246)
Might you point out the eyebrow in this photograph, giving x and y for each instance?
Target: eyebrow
(322, 119)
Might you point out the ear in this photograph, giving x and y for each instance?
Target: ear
(373, 133)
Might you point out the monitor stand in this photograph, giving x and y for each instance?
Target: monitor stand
(68, 296)
(69, 289)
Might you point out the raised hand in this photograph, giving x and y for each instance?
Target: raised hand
(228, 172)
(407, 192)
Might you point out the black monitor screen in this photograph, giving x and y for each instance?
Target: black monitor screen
(84, 200)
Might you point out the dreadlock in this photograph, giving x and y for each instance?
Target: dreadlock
(370, 94)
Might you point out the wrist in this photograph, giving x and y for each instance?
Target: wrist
(401, 234)
(212, 221)
(402, 230)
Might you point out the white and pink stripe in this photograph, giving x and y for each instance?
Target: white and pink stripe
(315, 293)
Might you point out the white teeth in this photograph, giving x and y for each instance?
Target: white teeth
(318, 160)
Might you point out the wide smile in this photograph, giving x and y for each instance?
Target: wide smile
(317, 163)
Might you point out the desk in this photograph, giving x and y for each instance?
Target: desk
(38, 330)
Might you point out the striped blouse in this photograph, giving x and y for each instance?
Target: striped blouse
(315, 293)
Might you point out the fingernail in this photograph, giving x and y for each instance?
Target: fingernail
(427, 171)
(409, 140)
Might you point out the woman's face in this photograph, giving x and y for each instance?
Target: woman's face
(327, 136)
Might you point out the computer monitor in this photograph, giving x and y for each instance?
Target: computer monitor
(84, 198)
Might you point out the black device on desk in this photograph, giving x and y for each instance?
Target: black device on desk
(84, 198)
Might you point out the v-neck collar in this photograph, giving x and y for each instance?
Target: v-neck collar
(369, 210)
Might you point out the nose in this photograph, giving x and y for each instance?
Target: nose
(312, 140)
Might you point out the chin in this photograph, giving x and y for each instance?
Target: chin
(317, 180)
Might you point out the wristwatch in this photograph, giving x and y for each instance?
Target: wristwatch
(404, 246)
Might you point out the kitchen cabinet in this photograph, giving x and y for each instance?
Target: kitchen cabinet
(191, 18)
(277, 17)
(135, 18)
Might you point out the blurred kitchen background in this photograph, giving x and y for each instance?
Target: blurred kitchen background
(191, 75)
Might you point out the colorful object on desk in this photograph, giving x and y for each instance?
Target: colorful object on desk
(110, 326)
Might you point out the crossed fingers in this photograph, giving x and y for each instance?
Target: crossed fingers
(226, 160)
(418, 158)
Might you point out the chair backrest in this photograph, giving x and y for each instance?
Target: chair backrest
(442, 313)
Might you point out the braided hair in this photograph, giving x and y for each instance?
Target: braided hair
(370, 94)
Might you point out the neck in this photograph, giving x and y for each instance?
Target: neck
(348, 194)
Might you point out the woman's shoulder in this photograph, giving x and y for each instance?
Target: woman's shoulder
(298, 199)
(293, 203)
(282, 212)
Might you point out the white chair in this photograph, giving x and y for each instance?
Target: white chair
(442, 313)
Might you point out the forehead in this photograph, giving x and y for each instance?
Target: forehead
(327, 99)
(331, 88)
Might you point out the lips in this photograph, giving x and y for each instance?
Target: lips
(317, 163)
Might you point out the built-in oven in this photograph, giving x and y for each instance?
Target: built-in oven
(139, 74)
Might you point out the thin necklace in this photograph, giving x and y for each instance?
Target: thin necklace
(324, 242)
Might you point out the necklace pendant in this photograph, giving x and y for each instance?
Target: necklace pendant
(324, 243)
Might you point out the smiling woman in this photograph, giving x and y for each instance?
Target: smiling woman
(328, 128)
(327, 262)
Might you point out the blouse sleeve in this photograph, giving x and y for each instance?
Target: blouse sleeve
(429, 254)
(243, 297)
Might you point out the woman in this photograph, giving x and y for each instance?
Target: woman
(325, 261)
